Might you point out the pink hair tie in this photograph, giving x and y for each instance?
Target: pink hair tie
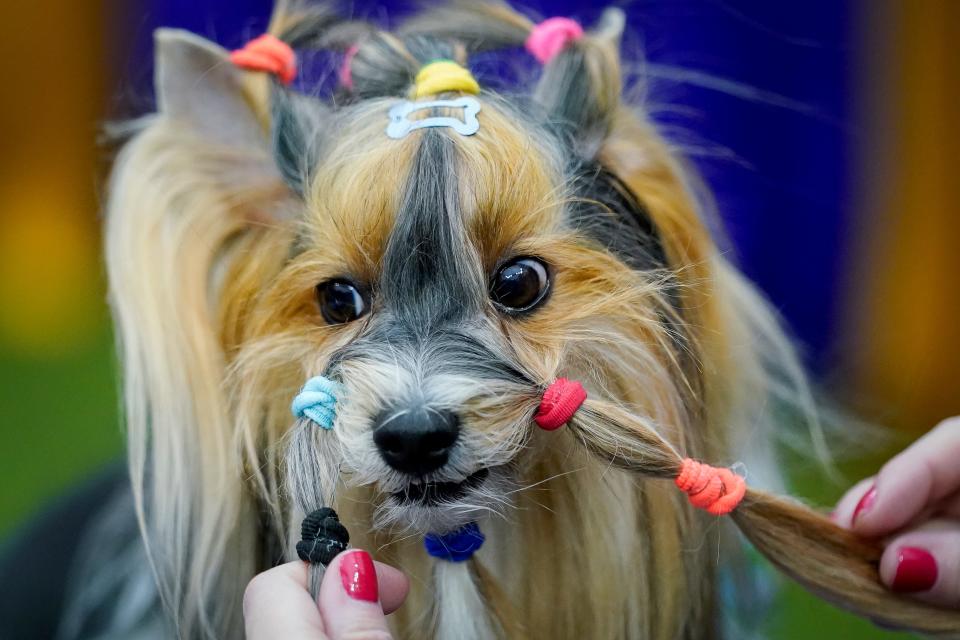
(548, 38)
(560, 401)
(346, 73)
(268, 54)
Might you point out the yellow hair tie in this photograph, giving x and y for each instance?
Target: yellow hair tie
(443, 75)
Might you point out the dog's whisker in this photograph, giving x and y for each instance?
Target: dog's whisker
(545, 480)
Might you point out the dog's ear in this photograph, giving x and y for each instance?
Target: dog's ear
(580, 87)
(197, 85)
(298, 124)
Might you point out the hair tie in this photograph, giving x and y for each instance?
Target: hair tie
(560, 401)
(456, 546)
(548, 38)
(443, 75)
(322, 537)
(718, 490)
(317, 401)
(268, 54)
(345, 74)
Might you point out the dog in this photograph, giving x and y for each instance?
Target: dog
(259, 234)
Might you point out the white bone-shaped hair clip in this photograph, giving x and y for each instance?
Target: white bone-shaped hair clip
(400, 124)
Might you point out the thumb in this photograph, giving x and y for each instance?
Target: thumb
(350, 598)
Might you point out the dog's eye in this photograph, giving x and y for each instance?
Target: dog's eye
(340, 301)
(520, 284)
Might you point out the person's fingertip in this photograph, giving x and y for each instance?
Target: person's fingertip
(924, 563)
(394, 587)
(889, 503)
(350, 597)
(907, 485)
(359, 576)
(865, 504)
(916, 571)
(842, 514)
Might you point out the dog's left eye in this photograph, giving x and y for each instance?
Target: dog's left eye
(340, 301)
(520, 285)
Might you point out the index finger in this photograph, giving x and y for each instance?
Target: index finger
(925, 473)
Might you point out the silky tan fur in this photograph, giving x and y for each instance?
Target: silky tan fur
(238, 197)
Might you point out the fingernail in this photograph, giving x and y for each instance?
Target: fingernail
(359, 576)
(916, 570)
(866, 502)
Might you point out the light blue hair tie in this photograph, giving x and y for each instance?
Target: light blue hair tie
(317, 401)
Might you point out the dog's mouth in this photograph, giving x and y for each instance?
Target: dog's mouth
(435, 493)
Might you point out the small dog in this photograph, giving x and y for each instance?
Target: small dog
(258, 235)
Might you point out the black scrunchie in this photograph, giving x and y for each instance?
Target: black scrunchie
(323, 537)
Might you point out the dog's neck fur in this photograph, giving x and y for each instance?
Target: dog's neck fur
(584, 556)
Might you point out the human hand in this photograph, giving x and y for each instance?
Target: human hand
(913, 505)
(355, 596)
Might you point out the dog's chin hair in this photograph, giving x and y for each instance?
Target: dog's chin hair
(491, 498)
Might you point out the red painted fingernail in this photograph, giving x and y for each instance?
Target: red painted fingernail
(916, 570)
(865, 503)
(359, 576)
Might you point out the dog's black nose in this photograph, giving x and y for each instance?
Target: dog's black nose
(417, 441)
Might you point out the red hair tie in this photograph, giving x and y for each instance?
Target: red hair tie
(560, 401)
(548, 38)
(717, 490)
(268, 54)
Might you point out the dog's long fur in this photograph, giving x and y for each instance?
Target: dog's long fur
(238, 197)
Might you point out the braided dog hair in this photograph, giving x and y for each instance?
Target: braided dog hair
(236, 210)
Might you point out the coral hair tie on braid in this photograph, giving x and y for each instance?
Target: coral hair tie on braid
(718, 490)
(560, 401)
(268, 54)
(548, 38)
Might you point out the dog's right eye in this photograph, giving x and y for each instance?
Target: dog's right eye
(340, 301)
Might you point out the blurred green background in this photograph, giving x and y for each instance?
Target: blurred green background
(891, 346)
(58, 401)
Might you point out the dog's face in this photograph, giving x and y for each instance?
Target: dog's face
(442, 280)
(258, 236)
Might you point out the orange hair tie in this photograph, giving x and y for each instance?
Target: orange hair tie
(718, 490)
(269, 54)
